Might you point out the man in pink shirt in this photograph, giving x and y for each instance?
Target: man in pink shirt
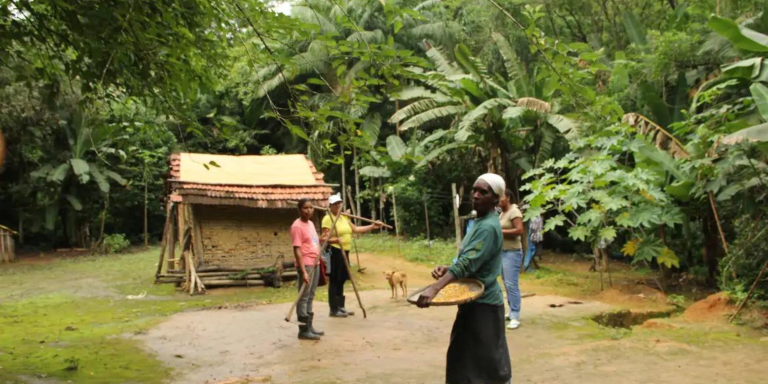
(306, 249)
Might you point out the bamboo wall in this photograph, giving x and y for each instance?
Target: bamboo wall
(244, 238)
(7, 247)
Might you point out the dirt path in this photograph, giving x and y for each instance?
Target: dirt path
(399, 343)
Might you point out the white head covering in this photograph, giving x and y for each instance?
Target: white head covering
(334, 199)
(497, 183)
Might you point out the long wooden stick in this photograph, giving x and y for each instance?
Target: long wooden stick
(352, 280)
(312, 275)
(754, 285)
(751, 291)
(348, 215)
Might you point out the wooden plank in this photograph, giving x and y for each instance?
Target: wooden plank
(165, 239)
(197, 235)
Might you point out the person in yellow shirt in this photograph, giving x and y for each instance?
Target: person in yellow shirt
(340, 241)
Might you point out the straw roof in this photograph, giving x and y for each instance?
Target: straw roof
(253, 181)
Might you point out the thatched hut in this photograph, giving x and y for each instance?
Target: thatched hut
(230, 217)
(7, 246)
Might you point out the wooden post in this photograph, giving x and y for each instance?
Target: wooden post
(454, 200)
(146, 202)
(343, 178)
(397, 226)
(426, 218)
(172, 237)
(373, 201)
(357, 183)
(197, 236)
(164, 242)
(21, 227)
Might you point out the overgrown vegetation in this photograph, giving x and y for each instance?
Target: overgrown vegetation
(632, 126)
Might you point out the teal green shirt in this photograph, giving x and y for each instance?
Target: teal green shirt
(480, 258)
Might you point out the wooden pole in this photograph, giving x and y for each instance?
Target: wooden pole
(164, 242)
(347, 215)
(397, 226)
(426, 218)
(373, 199)
(454, 200)
(21, 227)
(751, 291)
(352, 280)
(146, 202)
(357, 183)
(354, 242)
(172, 238)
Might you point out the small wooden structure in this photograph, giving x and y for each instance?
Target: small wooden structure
(229, 218)
(7, 247)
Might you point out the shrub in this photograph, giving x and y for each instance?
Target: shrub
(115, 243)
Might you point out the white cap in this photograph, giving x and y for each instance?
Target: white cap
(334, 199)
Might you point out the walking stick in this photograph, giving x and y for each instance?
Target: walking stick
(352, 280)
(311, 276)
(349, 272)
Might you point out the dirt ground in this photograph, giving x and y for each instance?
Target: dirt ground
(399, 343)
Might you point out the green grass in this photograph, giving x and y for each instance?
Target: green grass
(68, 319)
(416, 249)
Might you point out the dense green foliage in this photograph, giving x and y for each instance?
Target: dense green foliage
(633, 126)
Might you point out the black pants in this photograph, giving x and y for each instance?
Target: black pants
(336, 279)
(478, 352)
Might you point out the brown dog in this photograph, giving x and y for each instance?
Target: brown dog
(396, 278)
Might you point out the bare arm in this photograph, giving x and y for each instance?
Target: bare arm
(300, 264)
(365, 229)
(327, 235)
(517, 229)
(444, 277)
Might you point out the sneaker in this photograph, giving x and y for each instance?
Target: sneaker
(513, 324)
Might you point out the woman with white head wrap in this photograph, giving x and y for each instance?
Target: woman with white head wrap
(478, 350)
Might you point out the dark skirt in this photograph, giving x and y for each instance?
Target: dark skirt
(339, 272)
(478, 351)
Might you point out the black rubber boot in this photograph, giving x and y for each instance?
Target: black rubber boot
(304, 332)
(342, 300)
(335, 310)
(312, 325)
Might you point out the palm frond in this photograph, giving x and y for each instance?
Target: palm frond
(410, 93)
(534, 104)
(413, 109)
(369, 37)
(426, 4)
(432, 114)
(444, 33)
(356, 69)
(658, 135)
(475, 115)
(445, 66)
(545, 145)
(470, 63)
(308, 14)
(515, 71)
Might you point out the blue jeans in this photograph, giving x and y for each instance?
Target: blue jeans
(529, 255)
(510, 272)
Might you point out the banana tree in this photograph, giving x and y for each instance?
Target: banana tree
(82, 165)
(476, 108)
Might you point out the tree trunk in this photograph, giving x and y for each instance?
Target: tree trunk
(343, 178)
(103, 221)
(146, 225)
(21, 227)
(373, 200)
(3, 150)
(357, 182)
(711, 247)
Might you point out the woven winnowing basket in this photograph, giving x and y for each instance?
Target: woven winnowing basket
(476, 289)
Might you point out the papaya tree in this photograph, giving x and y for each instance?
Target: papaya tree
(606, 199)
